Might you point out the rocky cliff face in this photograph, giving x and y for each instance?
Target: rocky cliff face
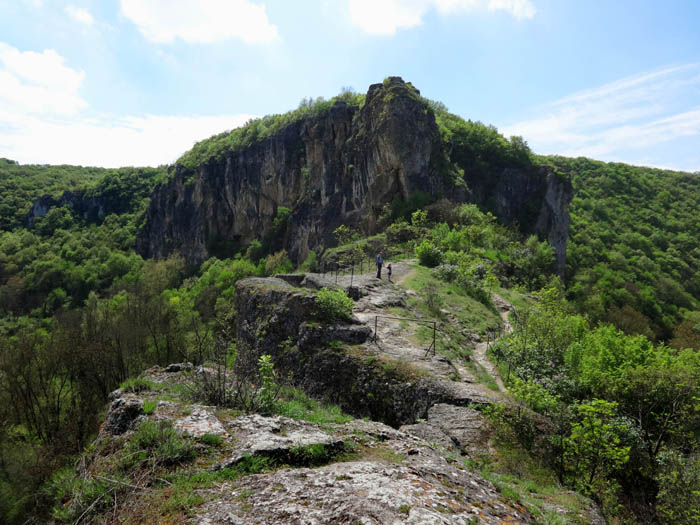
(538, 201)
(338, 168)
(90, 209)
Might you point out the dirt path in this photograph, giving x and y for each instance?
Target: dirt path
(399, 339)
(479, 353)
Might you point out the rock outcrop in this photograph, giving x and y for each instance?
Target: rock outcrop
(88, 208)
(342, 362)
(341, 167)
(364, 471)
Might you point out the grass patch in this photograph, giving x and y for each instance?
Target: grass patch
(483, 376)
(155, 444)
(520, 477)
(465, 315)
(138, 384)
(296, 404)
(469, 312)
(211, 440)
(149, 406)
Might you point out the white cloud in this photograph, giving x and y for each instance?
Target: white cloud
(385, 17)
(626, 118)
(43, 119)
(38, 83)
(200, 21)
(80, 15)
(149, 140)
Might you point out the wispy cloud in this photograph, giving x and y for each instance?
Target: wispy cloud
(385, 17)
(80, 15)
(44, 119)
(620, 120)
(200, 21)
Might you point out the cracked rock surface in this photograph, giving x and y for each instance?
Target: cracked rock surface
(396, 478)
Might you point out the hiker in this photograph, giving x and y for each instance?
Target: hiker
(388, 272)
(380, 261)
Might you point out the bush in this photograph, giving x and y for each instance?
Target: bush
(400, 232)
(446, 272)
(334, 305)
(310, 264)
(679, 487)
(428, 254)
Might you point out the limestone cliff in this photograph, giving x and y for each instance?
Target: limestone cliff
(88, 208)
(341, 167)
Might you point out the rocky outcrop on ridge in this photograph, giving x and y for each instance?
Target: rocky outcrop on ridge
(393, 383)
(88, 208)
(364, 471)
(341, 167)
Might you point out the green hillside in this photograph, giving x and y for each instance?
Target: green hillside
(634, 252)
(613, 344)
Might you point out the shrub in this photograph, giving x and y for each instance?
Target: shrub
(334, 305)
(446, 272)
(345, 235)
(269, 388)
(400, 232)
(428, 254)
(679, 487)
(433, 300)
(310, 264)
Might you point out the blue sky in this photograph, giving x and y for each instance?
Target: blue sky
(137, 82)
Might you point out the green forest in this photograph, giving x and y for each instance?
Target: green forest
(604, 360)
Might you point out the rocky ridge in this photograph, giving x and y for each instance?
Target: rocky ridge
(412, 470)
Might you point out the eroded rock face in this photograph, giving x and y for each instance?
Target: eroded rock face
(123, 411)
(89, 208)
(338, 168)
(455, 428)
(365, 379)
(402, 480)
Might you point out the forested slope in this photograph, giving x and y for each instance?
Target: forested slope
(634, 250)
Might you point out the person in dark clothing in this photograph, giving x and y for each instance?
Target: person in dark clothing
(380, 262)
(388, 272)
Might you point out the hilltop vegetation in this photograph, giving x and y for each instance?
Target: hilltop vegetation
(257, 130)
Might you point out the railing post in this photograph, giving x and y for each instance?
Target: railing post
(337, 267)
(434, 329)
